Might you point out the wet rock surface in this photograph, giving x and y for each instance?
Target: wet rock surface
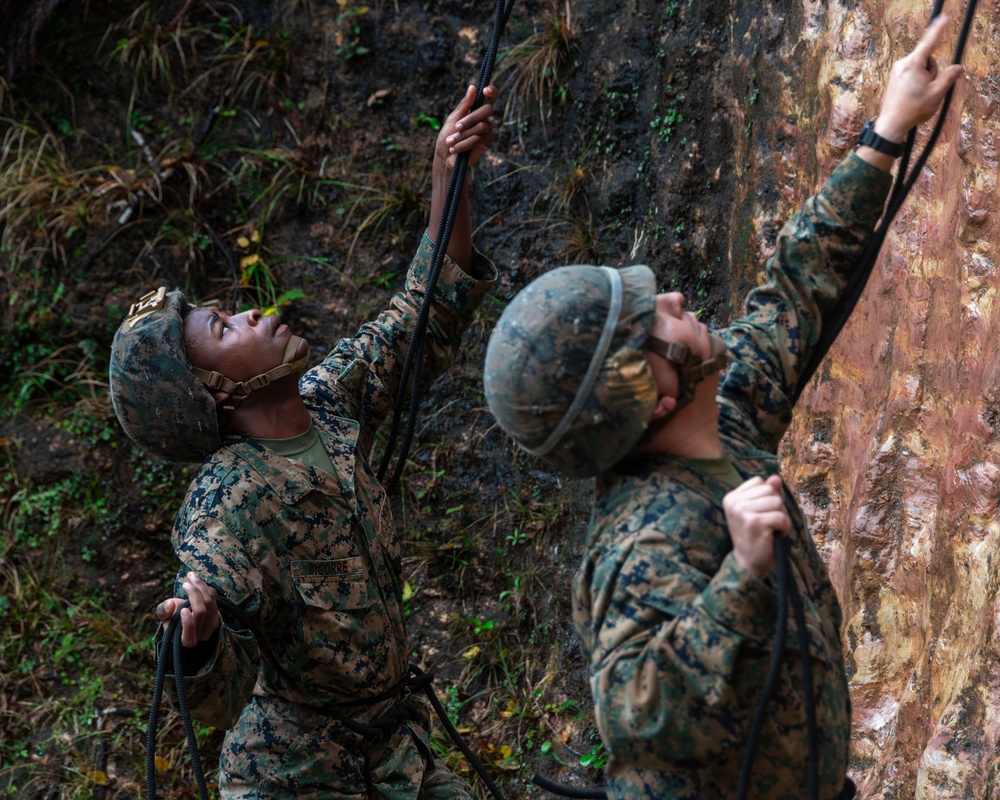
(893, 451)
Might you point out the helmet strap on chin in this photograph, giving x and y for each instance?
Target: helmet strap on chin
(239, 391)
(691, 371)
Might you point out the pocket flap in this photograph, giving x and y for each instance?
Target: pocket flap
(332, 584)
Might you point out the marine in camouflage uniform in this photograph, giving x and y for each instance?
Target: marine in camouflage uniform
(315, 559)
(302, 541)
(677, 627)
(678, 634)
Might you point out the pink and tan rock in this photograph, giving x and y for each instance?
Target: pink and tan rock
(895, 453)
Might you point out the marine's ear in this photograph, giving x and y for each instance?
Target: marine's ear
(664, 405)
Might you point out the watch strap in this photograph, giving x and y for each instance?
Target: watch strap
(869, 138)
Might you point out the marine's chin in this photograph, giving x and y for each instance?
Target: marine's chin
(301, 350)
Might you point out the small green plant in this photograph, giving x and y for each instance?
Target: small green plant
(426, 119)
(665, 124)
(348, 36)
(597, 758)
(516, 537)
(479, 625)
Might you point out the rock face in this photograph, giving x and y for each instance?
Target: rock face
(894, 452)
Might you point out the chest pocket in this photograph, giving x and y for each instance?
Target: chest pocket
(332, 585)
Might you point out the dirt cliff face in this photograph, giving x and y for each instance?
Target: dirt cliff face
(893, 452)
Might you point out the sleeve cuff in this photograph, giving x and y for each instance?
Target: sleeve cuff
(195, 661)
(858, 190)
(741, 602)
(455, 288)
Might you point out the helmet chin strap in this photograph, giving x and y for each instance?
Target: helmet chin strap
(691, 371)
(239, 391)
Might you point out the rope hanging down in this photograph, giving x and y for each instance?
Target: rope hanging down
(901, 188)
(171, 653)
(414, 356)
(787, 590)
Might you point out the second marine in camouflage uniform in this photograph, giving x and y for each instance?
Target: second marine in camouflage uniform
(677, 632)
(679, 635)
(315, 559)
(675, 603)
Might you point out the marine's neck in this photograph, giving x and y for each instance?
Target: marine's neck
(693, 432)
(274, 412)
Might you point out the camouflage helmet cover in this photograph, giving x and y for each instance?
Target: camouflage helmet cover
(566, 373)
(163, 407)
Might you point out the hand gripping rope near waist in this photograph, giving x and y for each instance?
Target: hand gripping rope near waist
(171, 654)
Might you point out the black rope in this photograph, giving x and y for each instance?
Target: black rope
(414, 356)
(171, 653)
(808, 697)
(901, 188)
(456, 737)
(788, 590)
(771, 682)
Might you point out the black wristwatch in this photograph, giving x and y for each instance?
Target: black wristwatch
(869, 138)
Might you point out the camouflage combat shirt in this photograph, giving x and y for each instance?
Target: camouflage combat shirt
(679, 636)
(313, 557)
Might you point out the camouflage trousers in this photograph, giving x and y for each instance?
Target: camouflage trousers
(277, 751)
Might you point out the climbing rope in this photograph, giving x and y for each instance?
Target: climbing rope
(414, 356)
(788, 590)
(171, 653)
(901, 188)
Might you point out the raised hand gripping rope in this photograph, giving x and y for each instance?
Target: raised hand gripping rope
(901, 188)
(414, 355)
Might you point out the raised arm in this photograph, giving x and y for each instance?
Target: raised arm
(464, 131)
(819, 248)
(363, 372)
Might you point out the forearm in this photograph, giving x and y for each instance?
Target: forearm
(460, 244)
(816, 252)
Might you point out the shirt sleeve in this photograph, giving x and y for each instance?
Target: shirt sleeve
(817, 250)
(365, 370)
(666, 641)
(222, 687)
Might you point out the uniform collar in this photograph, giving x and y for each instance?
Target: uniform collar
(292, 480)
